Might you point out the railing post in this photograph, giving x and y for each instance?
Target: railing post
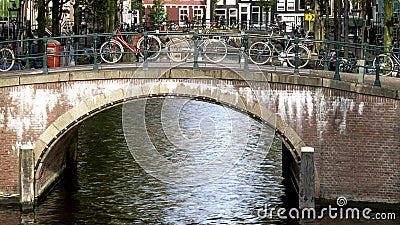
(95, 63)
(361, 70)
(45, 69)
(196, 51)
(326, 61)
(361, 64)
(245, 45)
(145, 52)
(377, 82)
(337, 75)
(71, 53)
(296, 57)
(27, 64)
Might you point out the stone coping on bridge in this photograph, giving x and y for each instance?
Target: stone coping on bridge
(316, 78)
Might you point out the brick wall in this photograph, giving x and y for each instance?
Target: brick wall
(356, 136)
(356, 139)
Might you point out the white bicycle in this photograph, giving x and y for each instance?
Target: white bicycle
(262, 52)
(7, 59)
(178, 49)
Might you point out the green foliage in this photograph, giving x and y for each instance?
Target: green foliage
(138, 5)
(105, 11)
(4, 5)
(388, 8)
(157, 14)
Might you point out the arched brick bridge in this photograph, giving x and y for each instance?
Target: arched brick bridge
(354, 128)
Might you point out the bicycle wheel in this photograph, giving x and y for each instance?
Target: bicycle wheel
(215, 50)
(178, 50)
(153, 46)
(343, 65)
(7, 59)
(385, 64)
(304, 55)
(269, 31)
(260, 53)
(319, 63)
(111, 51)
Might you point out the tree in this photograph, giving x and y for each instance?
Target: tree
(56, 12)
(362, 6)
(109, 18)
(266, 5)
(337, 17)
(139, 6)
(214, 7)
(346, 25)
(324, 9)
(388, 9)
(157, 14)
(41, 19)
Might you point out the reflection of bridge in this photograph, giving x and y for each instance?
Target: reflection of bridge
(354, 128)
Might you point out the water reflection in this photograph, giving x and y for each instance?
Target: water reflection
(109, 186)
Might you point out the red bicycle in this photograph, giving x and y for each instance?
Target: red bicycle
(112, 50)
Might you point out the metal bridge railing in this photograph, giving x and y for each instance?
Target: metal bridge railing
(198, 49)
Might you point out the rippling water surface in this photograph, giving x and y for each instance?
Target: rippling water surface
(110, 187)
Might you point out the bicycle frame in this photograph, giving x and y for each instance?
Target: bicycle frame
(395, 59)
(131, 47)
(185, 48)
(283, 53)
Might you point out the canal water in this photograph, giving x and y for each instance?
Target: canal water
(112, 184)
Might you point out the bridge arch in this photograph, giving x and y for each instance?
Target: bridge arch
(68, 122)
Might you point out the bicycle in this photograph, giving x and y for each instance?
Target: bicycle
(387, 63)
(7, 58)
(260, 53)
(178, 49)
(86, 56)
(320, 62)
(111, 51)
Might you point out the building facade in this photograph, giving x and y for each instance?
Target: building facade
(291, 12)
(177, 10)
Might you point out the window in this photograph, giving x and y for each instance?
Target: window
(255, 16)
(290, 22)
(244, 10)
(302, 4)
(221, 13)
(232, 16)
(182, 14)
(197, 14)
(280, 5)
(232, 12)
(290, 5)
